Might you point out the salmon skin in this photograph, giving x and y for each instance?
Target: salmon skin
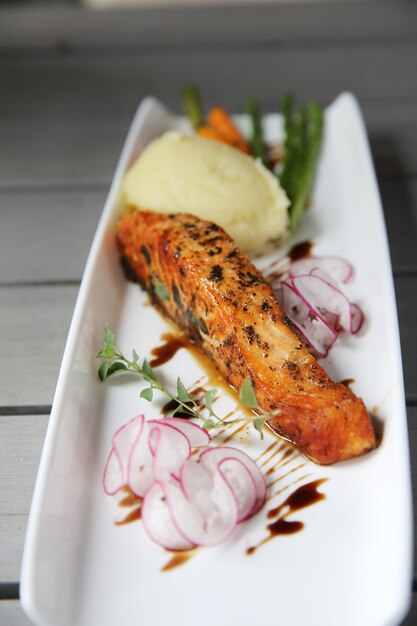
(197, 276)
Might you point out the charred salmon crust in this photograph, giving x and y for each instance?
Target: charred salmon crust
(197, 276)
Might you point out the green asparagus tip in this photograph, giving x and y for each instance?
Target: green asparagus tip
(257, 140)
(303, 139)
(192, 104)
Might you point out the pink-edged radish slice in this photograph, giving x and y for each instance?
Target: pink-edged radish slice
(116, 470)
(357, 318)
(157, 520)
(338, 268)
(197, 481)
(339, 304)
(319, 309)
(242, 483)
(318, 334)
(325, 296)
(293, 304)
(197, 436)
(210, 527)
(113, 474)
(123, 440)
(139, 464)
(313, 328)
(170, 448)
(211, 458)
(175, 434)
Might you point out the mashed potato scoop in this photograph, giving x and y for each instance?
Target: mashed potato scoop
(178, 173)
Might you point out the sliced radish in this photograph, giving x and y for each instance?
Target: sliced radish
(308, 290)
(243, 485)
(123, 441)
(325, 296)
(196, 435)
(294, 305)
(210, 526)
(157, 520)
(170, 448)
(310, 323)
(139, 467)
(357, 318)
(116, 470)
(338, 268)
(113, 474)
(319, 309)
(185, 503)
(177, 436)
(318, 334)
(196, 482)
(211, 458)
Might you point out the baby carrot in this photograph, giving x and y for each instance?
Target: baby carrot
(221, 122)
(210, 133)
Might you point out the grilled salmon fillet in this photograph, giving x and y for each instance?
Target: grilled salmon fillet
(197, 276)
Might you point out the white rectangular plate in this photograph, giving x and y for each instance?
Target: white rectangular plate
(351, 564)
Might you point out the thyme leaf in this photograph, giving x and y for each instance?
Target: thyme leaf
(247, 394)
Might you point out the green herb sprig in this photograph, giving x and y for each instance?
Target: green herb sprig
(114, 361)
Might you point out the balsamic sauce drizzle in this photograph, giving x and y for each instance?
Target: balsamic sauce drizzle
(130, 500)
(164, 353)
(279, 266)
(177, 559)
(304, 496)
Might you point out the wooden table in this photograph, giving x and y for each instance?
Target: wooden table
(70, 83)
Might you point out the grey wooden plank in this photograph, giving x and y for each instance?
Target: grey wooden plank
(68, 151)
(80, 108)
(412, 433)
(288, 24)
(60, 162)
(45, 236)
(12, 529)
(22, 438)
(392, 132)
(412, 430)
(411, 619)
(406, 289)
(385, 72)
(399, 199)
(34, 323)
(11, 614)
(21, 444)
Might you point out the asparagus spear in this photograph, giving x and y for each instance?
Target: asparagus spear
(257, 142)
(286, 112)
(192, 105)
(303, 136)
(313, 138)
